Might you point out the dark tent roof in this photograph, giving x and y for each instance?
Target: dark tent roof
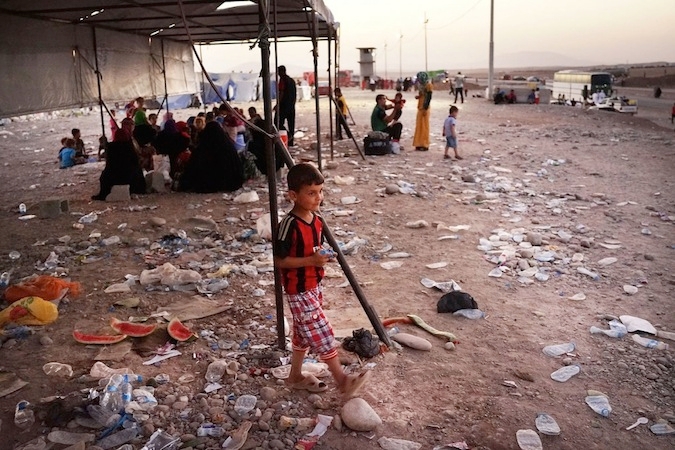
(162, 18)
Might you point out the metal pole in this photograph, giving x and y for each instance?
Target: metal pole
(98, 81)
(491, 70)
(426, 65)
(264, 45)
(166, 90)
(400, 55)
(330, 93)
(315, 56)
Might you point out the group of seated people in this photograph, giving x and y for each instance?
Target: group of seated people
(72, 150)
(211, 152)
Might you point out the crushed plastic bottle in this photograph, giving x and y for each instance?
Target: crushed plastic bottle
(161, 440)
(616, 330)
(100, 370)
(68, 438)
(58, 369)
(469, 313)
(245, 403)
(22, 208)
(558, 349)
(599, 404)
(216, 370)
(209, 429)
(103, 415)
(112, 397)
(585, 271)
(14, 255)
(650, 343)
(24, 417)
(88, 218)
(4, 279)
(546, 424)
(565, 373)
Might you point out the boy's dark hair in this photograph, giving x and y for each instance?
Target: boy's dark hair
(74, 130)
(303, 174)
(453, 108)
(379, 96)
(70, 143)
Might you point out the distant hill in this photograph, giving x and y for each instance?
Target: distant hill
(537, 59)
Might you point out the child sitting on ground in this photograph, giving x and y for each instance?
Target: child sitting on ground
(397, 103)
(80, 152)
(301, 261)
(67, 153)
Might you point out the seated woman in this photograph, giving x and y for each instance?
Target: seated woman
(121, 166)
(171, 142)
(256, 146)
(235, 129)
(214, 165)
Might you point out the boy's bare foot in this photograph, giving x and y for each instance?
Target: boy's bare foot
(458, 157)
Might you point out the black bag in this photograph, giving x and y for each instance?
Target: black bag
(363, 343)
(454, 301)
(373, 146)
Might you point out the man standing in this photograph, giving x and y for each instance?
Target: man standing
(379, 121)
(286, 104)
(459, 86)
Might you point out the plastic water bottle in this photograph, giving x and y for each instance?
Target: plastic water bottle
(112, 398)
(117, 439)
(469, 313)
(22, 208)
(558, 349)
(565, 373)
(126, 391)
(616, 330)
(209, 429)
(24, 417)
(215, 371)
(546, 424)
(103, 415)
(599, 404)
(245, 403)
(650, 343)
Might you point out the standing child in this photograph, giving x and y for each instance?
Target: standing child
(450, 132)
(80, 152)
(301, 262)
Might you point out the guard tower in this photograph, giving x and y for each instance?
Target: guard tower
(366, 62)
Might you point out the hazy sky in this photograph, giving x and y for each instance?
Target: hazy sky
(543, 33)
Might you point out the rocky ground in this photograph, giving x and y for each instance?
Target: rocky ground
(543, 194)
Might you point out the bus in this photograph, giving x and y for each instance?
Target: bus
(569, 85)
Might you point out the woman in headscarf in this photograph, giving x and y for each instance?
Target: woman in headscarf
(421, 139)
(170, 141)
(214, 165)
(121, 166)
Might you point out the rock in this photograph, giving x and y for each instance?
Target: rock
(154, 182)
(203, 222)
(337, 422)
(630, 289)
(397, 444)
(468, 178)
(449, 346)
(119, 193)
(586, 243)
(534, 238)
(526, 253)
(268, 394)
(359, 416)
(157, 221)
(392, 189)
(46, 340)
(417, 224)
(50, 209)
(411, 341)
(330, 165)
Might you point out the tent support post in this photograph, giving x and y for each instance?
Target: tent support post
(264, 45)
(166, 89)
(315, 57)
(330, 95)
(98, 80)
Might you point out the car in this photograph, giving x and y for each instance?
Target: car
(518, 78)
(535, 79)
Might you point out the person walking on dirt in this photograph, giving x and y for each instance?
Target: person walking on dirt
(285, 111)
(459, 86)
(341, 116)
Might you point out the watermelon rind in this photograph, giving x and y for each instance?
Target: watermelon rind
(97, 339)
(178, 331)
(132, 329)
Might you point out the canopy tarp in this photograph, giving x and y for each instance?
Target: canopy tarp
(49, 50)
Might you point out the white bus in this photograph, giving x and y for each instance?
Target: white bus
(568, 85)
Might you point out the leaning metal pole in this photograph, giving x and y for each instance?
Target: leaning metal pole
(98, 81)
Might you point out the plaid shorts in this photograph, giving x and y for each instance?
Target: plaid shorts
(311, 329)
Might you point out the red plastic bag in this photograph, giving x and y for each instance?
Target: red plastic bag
(44, 286)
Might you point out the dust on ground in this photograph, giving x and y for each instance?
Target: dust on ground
(587, 183)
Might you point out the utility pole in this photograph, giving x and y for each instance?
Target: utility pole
(491, 70)
(426, 64)
(400, 55)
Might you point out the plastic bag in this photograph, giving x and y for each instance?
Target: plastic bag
(363, 343)
(29, 311)
(44, 286)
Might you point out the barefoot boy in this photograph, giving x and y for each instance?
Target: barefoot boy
(301, 263)
(450, 132)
